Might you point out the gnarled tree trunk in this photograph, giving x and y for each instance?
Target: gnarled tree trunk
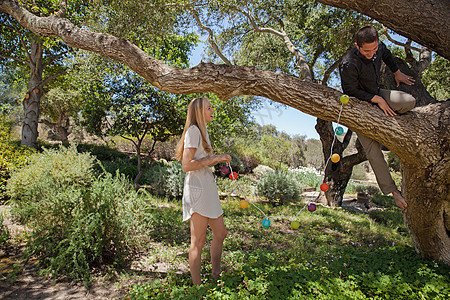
(420, 138)
(32, 101)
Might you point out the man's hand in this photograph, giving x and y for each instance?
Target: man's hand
(401, 77)
(399, 200)
(388, 111)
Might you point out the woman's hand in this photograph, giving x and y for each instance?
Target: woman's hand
(223, 158)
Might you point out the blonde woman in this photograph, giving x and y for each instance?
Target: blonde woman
(201, 203)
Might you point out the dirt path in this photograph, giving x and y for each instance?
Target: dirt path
(29, 285)
(22, 282)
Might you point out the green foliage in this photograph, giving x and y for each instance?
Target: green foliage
(231, 120)
(307, 176)
(353, 187)
(236, 164)
(436, 78)
(313, 154)
(174, 181)
(279, 186)
(359, 172)
(12, 155)
(228, 186)
(76, 215)
(102, 152)
(260, 170)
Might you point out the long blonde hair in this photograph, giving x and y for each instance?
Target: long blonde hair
(195, 116)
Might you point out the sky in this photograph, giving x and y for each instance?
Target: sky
(284, 118)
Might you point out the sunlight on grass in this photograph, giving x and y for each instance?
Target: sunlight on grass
(333, 254)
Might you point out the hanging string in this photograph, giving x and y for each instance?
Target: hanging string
(311, 206)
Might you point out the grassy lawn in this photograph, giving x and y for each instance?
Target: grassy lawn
(334, 254)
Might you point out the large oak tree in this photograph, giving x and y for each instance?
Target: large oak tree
(420, 138)
(425, 22)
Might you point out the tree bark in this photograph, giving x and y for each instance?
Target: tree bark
(32, 102)
(425, 22)
(420, 138)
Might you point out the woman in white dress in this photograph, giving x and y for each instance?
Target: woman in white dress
(201, 203)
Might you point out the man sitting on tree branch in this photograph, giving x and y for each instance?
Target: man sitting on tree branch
(360, 78)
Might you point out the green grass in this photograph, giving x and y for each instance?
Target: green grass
(335, 254)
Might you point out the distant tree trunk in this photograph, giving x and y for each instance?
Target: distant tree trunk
(337, 174)
(32, 102)
(61, 127)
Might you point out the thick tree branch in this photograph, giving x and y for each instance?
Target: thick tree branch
(48, 123)
(410, 18)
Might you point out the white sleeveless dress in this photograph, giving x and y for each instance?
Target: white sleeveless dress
(200, 193)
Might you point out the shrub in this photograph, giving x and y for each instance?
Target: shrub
(260, 170)
(279, 186)
(155, 177)
(244, 186)
(75, 214)
(394, 162)
(249, 161)
(102, 152)
(359, 172)
(307, 176)
(174, 180)
(12, 155)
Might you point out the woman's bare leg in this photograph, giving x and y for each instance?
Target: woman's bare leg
(198, 238)
(219, 234)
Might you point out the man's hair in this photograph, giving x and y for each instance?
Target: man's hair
(366, 35)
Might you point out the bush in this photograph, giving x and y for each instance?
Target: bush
(75, 214)
(260, 170)
(359, 172)
(249, 161)
(279, 186)
(307, 176)
(155, 177)
(394, 162)
(102, 152)
(244, 186)
(12, 155)
(174, 180)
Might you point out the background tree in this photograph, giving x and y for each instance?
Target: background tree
(43, 56)
(59, 106)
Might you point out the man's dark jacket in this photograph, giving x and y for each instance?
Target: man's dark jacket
(360, 77)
